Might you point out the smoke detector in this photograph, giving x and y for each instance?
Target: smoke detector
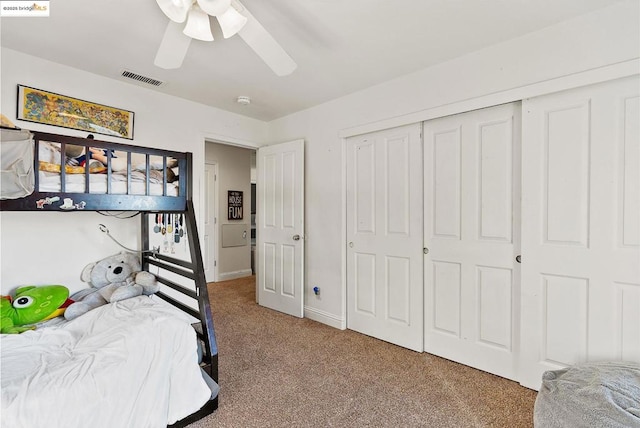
(245, 101)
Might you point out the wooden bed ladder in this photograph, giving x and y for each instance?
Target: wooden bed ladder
(193, 270)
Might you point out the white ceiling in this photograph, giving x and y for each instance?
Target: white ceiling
(341, 46)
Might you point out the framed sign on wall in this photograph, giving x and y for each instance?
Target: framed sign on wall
(235, 200)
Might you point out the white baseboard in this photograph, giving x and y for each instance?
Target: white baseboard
(234, 275)
(325, 318)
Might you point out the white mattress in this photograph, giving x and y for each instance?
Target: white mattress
(126, 364)
(75, 183)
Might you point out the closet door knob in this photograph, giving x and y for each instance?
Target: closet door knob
(296, 237)
(519, 258)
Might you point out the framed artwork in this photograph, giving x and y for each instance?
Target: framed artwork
(36, 105)
(235, 205)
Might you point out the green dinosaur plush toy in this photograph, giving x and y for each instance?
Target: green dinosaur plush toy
(32, 305)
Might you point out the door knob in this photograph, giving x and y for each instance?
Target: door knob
(350, 244)
(519, 258)
(296, 237)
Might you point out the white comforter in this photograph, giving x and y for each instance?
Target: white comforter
(126, 364)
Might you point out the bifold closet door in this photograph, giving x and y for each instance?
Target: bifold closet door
(580, 227)
(472, 231)
(384, 235)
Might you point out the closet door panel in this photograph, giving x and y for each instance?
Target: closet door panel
(566, 191)
(580, 213)
(364, 216)
(628, 321)
(398, 289)
(629, 200)
(364, 281)
(495, 181)
(565, 327)
(446, 287)
(447, 181)
(384, 235)
(471, 283)
(495, 294)
(398, 187)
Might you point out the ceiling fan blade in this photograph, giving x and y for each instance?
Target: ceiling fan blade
(267, 48)
(173, 47)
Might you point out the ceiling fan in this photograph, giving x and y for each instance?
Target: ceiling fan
(233, 18)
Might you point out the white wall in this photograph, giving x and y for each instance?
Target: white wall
(52, 248)
(606, 37)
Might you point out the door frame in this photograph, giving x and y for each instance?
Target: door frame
(210, 138)
(214, 240)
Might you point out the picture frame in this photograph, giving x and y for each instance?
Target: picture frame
(236, 202)
(49, 108)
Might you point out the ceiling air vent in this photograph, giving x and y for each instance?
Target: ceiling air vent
(140, 78)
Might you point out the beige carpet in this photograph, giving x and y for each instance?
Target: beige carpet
(281, 371)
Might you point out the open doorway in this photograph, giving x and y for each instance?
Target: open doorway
(229, 214)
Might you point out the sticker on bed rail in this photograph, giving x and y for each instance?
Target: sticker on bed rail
(46, 201)
(68, 204)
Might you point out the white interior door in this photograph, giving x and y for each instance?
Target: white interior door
(384, 235)
(280, 227)
(471, 231)
(581, 227)
(210, 222)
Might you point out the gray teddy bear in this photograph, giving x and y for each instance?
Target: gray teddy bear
(112, 279)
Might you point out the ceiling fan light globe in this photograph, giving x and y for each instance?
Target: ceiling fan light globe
(231, 22)
(198, 25)
(175, 10)
(214, 7)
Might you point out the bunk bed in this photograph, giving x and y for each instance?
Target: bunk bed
(122, 183)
